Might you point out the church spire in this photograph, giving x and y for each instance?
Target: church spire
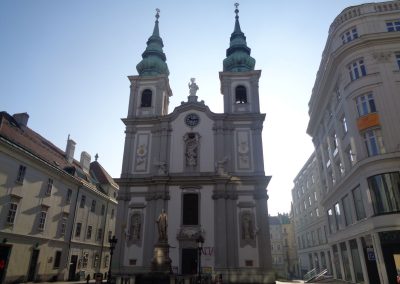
(153, 62)
(238, 57)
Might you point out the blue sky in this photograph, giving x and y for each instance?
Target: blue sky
(66, 63)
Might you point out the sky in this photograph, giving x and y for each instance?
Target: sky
(66, 64)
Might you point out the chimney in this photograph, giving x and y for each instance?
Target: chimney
(85, 161)
(69, 152)
(21, 118)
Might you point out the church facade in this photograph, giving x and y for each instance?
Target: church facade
(205, 170)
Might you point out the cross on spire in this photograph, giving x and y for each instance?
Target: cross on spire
(157, 14)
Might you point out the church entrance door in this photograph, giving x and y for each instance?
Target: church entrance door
(189, 261)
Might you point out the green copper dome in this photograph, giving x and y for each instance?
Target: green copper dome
(153, 62)
(238, 57)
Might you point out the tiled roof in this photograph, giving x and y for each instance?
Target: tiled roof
(39, 146)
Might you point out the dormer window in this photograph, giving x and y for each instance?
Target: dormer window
(146, 98)
(240, 95)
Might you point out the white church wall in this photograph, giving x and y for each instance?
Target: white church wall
(204, 129)
(174, 222)
(207, 223)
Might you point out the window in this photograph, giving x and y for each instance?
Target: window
(356, 261)
(358, 203)
(346, 262)
(350, 156)
(85, 259)
(57, 259)
(240, 95)
(109, 234)
(374, 142)
(336, 261)
(146, 98)
(112, 213)
(335, 144)
(78, 230)
(89, 232)
(344, 125)
(106, 260)
(348, 218)
(332, 221)
(365, 104)
(12, 211)
(83, 201)
(49, 187)
(385, 192)
(357, 69)
(339, 216)
(42, 219)
(99, 234)
(63, 225)
(69, 196)
(93, 207)
(190, 209)
(21, 174)
(96, 260)
(103, 209)
(349, 35)
(393, 25)
(398, 59)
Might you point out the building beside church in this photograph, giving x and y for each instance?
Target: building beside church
(204, 169)
(56, 213)
(283, 246)
(354, 124)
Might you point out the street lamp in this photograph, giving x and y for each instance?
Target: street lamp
(200, 242)
(113, 241)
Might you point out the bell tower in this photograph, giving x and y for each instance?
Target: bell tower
(150, 90)
(239, 80)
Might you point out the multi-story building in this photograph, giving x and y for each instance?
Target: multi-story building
(309, 219)
(283, 246)
(354, 123)
(203, 170)
(56, 213)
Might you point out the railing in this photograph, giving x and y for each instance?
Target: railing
(315, 274)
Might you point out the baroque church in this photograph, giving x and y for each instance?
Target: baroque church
(193, 192)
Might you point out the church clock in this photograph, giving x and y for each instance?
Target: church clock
(192, 119)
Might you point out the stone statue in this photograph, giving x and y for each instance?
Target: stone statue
(247, 227)
(191, 150)
(193, 87)
(162, 223)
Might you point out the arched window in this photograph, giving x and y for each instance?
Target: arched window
(240, 95)
(146, 98)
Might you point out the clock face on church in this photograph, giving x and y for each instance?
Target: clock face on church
(192, 119)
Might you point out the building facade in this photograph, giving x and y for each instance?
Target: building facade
(309, 220)
(56, 213)
(354, 122)
(204, 169)
(283, 246)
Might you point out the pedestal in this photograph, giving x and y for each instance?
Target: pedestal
(161, 261)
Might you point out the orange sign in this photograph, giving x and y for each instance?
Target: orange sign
(368, 121)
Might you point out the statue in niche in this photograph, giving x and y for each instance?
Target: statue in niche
(162, 167)
(136, 225)
(220, 166)
(162, 223)
(191, 154)
(193, 87)
(247, 227)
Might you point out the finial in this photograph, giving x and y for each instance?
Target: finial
(157, 14)
(237, 10)
(96, 157)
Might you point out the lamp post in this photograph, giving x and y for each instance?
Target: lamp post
(200, 241)
(113, 241)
